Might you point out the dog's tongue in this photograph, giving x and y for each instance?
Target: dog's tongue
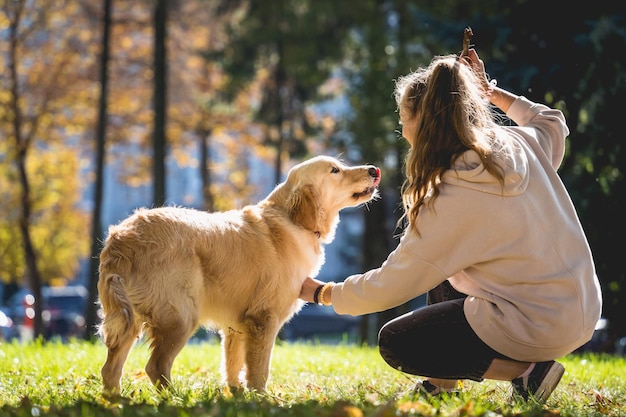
(377, 179)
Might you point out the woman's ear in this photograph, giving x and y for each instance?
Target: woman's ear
(304, 208)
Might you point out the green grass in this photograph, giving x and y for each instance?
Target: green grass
(54, 379)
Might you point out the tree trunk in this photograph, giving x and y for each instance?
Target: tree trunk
(22, 145)
(376, 244)
(402, 60)
(208, 201)
(382, 219)
(279, 81)
(160, 101)
(91, 316)
(33, 277)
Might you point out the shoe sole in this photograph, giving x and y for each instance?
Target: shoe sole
(549, 383)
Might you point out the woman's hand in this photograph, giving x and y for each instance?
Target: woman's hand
(308, 289)
(478, 66)
(499, 97)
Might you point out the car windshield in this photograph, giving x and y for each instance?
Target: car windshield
(67, 303)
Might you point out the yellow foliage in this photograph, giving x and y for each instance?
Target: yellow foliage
(346, 410)
(183, 157)
(59, 230)
(4, 21)
(85, 35)
(126, 42)
(57, 101)
(195, 62)
(148, 74)
(174, 131)
(237, 178)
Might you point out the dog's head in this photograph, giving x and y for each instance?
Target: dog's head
(317, 189)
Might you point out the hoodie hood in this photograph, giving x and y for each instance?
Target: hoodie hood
(468, 171)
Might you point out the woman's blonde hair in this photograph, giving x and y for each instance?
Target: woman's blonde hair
(453, 116)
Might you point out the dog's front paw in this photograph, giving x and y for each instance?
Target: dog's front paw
(233, 390)
(112, 394)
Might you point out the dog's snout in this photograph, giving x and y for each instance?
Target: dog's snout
(374, 172)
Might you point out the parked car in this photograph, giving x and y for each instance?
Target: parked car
(64, 311)
(620, 346)
(21, 308)
(17, 304)
(317, 321)
(605, 339)
(323, 323)
(62, 314)
(8, 330)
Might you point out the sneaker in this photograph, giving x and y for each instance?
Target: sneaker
(541, 381)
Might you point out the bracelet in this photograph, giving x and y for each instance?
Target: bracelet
(316, 294)
(322, 293)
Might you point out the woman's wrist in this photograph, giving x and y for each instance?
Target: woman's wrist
(501, 98)
(490, 87)
(316, 294)
(324, 294)
(311, 289)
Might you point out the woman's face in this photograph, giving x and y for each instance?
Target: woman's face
(409, 129)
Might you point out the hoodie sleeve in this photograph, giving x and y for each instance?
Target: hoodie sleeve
(543, 127)
(402, 277)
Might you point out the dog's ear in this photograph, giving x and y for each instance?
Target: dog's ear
(305, 209)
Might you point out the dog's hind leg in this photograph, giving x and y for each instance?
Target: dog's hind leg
(261, 332)
(232, 355)
(119, 330)
(168, 336)
(116, 358)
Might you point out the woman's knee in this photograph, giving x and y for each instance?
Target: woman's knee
(390, 344)
(388, 335)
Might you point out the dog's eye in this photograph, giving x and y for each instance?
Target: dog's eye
(334, 170)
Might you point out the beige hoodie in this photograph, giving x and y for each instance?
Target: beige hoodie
(520, 252)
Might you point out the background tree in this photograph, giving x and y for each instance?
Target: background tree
(577, 67)
(374, 56)
(293, 47)
(131, 78)
(209, 131)
(22, 146)
(160, 101)
(38, 115)
(200, 123)
(97, 234)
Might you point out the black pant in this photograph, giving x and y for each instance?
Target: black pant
(436, 341)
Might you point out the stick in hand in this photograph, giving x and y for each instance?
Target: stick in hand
(467, 36)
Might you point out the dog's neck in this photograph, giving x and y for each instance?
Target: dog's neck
(280, 196)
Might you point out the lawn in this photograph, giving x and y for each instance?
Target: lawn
(56, 379)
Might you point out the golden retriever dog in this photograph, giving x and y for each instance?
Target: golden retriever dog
(166, 271)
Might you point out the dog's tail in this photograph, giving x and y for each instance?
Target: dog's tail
(118, 310)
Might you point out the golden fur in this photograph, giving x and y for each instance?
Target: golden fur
(166, 271)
